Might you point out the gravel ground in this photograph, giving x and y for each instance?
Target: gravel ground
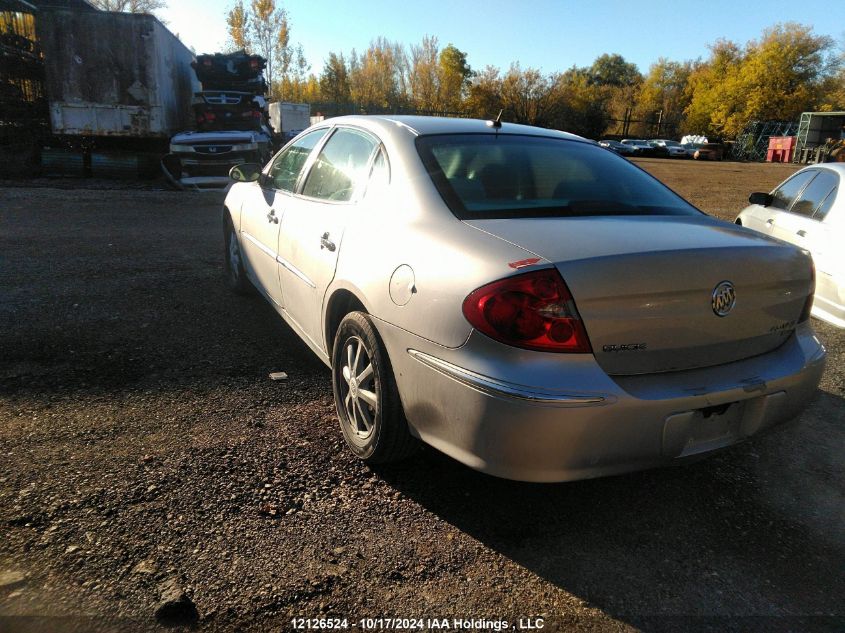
(148, 465)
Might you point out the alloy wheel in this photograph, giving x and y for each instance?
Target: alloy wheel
(359, 390)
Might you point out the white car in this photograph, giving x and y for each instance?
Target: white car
(521, 299)
(808, 210)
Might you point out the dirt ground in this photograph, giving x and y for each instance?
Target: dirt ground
(144, 450)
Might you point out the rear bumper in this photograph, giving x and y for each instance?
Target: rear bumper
(549, 417)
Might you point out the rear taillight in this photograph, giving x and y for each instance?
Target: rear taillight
(808, 304)
(533, 311)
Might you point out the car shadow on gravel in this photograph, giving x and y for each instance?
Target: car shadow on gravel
(722, 544)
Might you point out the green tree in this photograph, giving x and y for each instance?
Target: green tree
(334, 81)
(613, 70)
(454, 73)
(616, 84)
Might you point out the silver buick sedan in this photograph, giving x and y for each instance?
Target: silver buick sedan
(521, 299)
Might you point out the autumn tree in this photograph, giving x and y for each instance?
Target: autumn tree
(378, 79)
(710, 99)
(263, 29)
(663, 98)
(296, 83)
(130, 6)
(525, 95)
(438, 79)
(237, 26)
(579, 104)
(778, 77)
(424, 76)
(784, 72)
(833, 91)
(484, 97)
(612, 81)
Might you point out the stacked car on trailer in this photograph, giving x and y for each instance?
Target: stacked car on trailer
(230, 116)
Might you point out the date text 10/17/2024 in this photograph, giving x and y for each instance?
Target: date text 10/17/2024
(417, 624)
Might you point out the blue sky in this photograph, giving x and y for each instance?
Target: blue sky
(547, 34)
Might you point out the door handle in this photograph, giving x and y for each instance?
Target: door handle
(325, 242)
(770, 222)
(271, 217)
(802, 233)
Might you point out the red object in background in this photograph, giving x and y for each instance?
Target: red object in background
(781, 149)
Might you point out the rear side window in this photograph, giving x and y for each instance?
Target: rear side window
(817, 191)
(341, 169)
(785, 195)
(509, 176)
(379, 176)
(825, 206)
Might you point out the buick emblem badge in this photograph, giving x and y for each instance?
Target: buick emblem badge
(724, 299)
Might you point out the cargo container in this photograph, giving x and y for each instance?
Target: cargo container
(289, 119)
(115, 75)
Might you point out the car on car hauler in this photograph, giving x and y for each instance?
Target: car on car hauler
(521, 299)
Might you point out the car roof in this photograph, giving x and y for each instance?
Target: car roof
(424, 125)
(839, 168)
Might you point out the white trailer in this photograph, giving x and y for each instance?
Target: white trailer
(289, 119)
(115, 75)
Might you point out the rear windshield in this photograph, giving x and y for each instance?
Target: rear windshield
(511, 176)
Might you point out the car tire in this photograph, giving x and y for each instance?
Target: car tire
(236, 278)
(365, 394)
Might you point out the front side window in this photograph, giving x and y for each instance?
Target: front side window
(284, 172)
(340, 170)
(813, 195)
(509, 176)
(785, 195)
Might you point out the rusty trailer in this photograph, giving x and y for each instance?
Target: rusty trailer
(115, 75)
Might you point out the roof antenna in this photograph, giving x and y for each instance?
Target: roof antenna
(497, 123)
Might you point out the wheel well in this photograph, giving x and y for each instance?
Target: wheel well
(341, 303)
(738, 221)
(227, 221)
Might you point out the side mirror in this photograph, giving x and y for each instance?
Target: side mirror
(758, 197)
(245, 172)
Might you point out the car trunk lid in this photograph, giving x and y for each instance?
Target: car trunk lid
(644, 286)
